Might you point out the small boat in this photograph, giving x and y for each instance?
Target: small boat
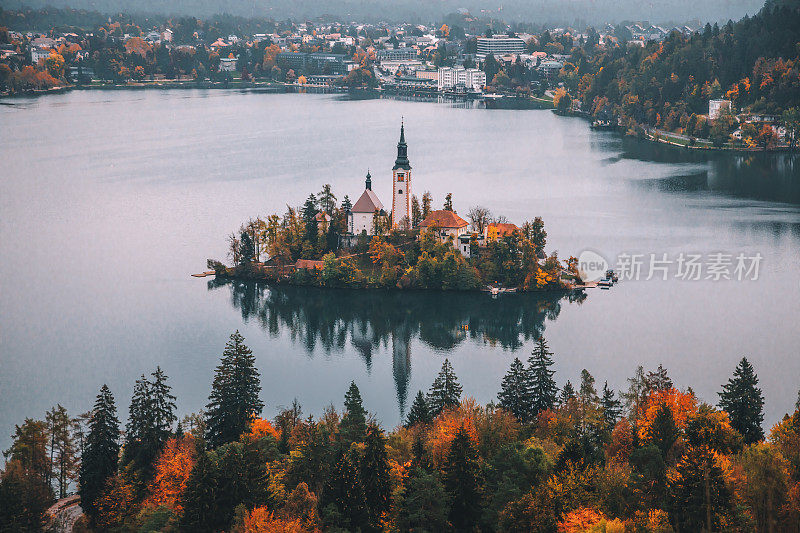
(605, 283)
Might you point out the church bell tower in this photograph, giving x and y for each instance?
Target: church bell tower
(401, 179)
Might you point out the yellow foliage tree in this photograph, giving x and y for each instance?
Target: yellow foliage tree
(172, 470)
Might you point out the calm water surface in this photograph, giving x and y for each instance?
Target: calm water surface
(109, 200)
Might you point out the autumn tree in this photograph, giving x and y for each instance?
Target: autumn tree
(742, 399)
(63, 449)
(479, 218)
(445, 392)
(427, 200)
(416, 211)
(234, 395)
(544, 390)
(515, 395)
(101, 453)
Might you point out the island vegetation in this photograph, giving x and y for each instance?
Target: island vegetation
(305, 247)
(541, 458)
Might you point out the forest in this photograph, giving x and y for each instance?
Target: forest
(583, 458)
(754, 62)
(406, 257)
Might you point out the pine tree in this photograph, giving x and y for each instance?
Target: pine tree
(658, 380)
(163, 405)
(419, 412)
(63, 449)
(515, 395)
(699, 495)
(234, 394)
(612, 407)
(375, 476)
(140, 414)
(741, 398)
(587, 391)
(663, 432)
(343, 500)
(347, 205)
(543, 387)
(101, 452)
(201, 510)
(445, 393)
(462, 482)
(567, 394)
(425, 503)
(354, 421)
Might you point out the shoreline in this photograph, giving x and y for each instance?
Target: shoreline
(520, 103)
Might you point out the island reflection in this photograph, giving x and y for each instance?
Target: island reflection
(367, 319)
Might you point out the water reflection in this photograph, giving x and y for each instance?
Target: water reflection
(758, 175)
(330, 319)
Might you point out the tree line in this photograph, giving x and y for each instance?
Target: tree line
(542, 458)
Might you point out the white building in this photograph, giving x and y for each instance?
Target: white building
(471, 79)
(362, 215)
(38, 53)
(715, 108)
(499, 45)
(227, 64)
(448, 225)
(166, 35)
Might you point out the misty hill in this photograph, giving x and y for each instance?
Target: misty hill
(557, 12)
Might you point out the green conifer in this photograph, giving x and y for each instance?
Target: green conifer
(445, 393)
(354, 421)
(544, 390)
(101, 452)
(515, 392)
(462, 482)
(419, 412)
(741, 398)
(234, 394)
(375, 477)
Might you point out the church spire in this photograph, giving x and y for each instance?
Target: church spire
(402, 150)
(368, 182)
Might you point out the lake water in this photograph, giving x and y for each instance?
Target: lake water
(109, 200)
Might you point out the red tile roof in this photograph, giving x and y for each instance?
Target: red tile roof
(368, 203)
(308, 264)
(443, 219)
(503, 229)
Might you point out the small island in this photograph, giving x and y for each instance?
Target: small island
(328, 244)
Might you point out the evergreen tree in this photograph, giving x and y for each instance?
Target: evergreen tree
(699, 496)
(309, 212)
(163, 405)
(201, 511)
(375, 477)
(234, 394)
(587, 392)
(543, 387)
(741, 398)
(354, 421)
(326, 199)
(419, 412)
(416, 211)
(612, 407)
(247, 249)
(515, 395)
(63, 448)
(24, 498)
(347, 205)
(663, 432)
(658, 380)
(445, 392)
(425, 503)
(462, 482)
(343, 500)
(101, 452)
(567, 393)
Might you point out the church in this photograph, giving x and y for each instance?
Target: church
(361, 217)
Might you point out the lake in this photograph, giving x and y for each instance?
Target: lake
(109, 200)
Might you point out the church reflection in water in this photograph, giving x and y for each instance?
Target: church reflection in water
(331, 319)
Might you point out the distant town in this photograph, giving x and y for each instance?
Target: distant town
(633, 77)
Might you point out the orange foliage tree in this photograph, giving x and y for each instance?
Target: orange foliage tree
(261, 428)
(681, 404)
(261, 520)
(445, 427)
(172, 470)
